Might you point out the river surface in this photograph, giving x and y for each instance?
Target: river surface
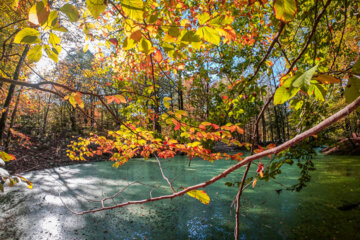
(312, 213)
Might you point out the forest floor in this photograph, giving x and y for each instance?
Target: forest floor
(42, 155)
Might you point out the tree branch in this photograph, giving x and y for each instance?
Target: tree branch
(314, 130)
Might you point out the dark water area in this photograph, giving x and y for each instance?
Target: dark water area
(328, 208)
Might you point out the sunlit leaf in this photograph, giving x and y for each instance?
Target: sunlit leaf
(128, 44)
(86, 48)
(303, 81)
(133, 9)
(34, 54)
(39, 13)
(200, 195)
(51, 53)
(209, 34)
(145, 45)
(352, 90)
(285, 10)
(284, 94)
(71, 12)
(27, 35)
(167, 102)
(318, 90)
(54, 40)
(96, 7)
(6, 157)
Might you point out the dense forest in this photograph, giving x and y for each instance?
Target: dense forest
(239, 80)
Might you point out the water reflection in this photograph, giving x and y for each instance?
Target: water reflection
(265, 214)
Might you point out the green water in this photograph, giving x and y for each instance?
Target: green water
(310, 214)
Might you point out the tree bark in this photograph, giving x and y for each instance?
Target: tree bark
(12, 120)
(11, 92)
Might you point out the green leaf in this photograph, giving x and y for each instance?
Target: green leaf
(54, 39)
(144, 45)
(96, 7)
(71, 12)
(174, 31)
(35, 54)
(27, 35)
(303, 81)
(352, 90)
(296, 103)
(134, 9)
(356, 67)
(209, 34)
(318, 90)
(284, 94)
(285, 10)
(59, 28)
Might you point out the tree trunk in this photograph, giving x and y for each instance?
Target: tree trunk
(263, 127)
(46, 115)
(278, 133)
(11, 92)
(12, 120)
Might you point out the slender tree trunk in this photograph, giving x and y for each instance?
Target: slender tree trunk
(46, 115)
(180, 93)
(12, 120)
(278, 133)
(263, 127)
(11, 92)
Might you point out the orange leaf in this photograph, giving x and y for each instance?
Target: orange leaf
(136, 36)
(158, 57)
(254, 182)
(120, 99)
(326, 79)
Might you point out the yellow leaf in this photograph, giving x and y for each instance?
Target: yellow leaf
(166, 102)
(86, 47)
(6, 157)
(326, 79)
(254, 182)
(261, 174)
(200, 195)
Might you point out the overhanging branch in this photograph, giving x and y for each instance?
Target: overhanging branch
(314, 130)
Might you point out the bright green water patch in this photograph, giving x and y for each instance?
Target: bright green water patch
(310, 214)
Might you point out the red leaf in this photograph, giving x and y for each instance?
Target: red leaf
(260, 167)
(114, 41)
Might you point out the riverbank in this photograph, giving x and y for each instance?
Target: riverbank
(346, 146)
